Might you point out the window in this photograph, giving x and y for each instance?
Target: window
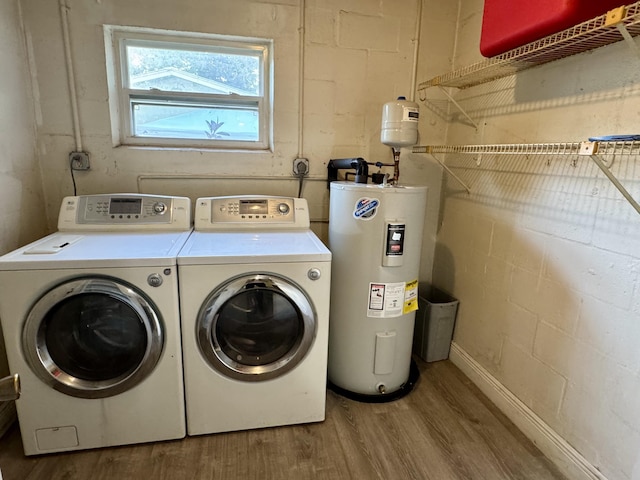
(189, 90)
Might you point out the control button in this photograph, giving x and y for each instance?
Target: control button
(314, 274)
(155, 280)
(159, 208)
(283, 208)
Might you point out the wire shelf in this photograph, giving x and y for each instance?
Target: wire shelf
(563, 148)
(597, 32)
(504, 149)
(595, 150)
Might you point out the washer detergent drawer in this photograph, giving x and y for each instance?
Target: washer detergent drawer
(508, 24)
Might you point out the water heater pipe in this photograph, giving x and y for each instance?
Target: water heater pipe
(359, 164)
(396, 165)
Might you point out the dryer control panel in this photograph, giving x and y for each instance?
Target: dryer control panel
(251, 212)
(121, 211)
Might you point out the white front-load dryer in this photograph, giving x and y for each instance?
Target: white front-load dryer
(254, 301)
(90, 317)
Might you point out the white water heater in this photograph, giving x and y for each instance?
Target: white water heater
(375, 237)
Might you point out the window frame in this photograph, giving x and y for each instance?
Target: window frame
(122, 117)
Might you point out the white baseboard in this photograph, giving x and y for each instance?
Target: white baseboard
(7, 416)
(568, 460)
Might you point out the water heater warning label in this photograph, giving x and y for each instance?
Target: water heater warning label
(395, 239)
(388, 300)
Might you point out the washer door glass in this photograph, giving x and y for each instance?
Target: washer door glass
(93, 338)
(256, 327)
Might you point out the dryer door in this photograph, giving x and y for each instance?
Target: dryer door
(256, 327)
(93, 337)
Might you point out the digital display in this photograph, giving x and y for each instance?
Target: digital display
(125, 206)
(254, 207)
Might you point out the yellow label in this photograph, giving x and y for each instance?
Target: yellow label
(410, 297)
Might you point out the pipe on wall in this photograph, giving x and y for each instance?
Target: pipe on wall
(71, 77)
(416, 45)
(301, 53)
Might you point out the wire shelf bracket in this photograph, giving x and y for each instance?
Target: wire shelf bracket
(458, 179)
(616, 17)
(591, 149)
(458, 106)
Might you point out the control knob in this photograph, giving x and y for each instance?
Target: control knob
(283, 208)
(314, 274)
(159, 208)
(154, 280)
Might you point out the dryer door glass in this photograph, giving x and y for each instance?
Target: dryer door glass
(256, 327)
(93, 337)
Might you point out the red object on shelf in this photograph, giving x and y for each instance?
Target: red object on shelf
(509, 24)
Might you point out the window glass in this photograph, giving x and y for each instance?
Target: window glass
(192, 90)
(180, 70)
(179, 121)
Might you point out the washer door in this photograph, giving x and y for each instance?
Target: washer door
(256, 327)
(93, 337)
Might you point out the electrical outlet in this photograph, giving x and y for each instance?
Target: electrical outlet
(79, 160)
(301, 166)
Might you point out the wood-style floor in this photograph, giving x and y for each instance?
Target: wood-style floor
(444, 429)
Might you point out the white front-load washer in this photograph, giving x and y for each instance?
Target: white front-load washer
(90, 317)
(254, 302)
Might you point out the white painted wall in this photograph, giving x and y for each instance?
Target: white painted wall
(358, 54)
(545, 258)
(22, 217)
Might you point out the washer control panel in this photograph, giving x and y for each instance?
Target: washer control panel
(251, 212)
(116, 211)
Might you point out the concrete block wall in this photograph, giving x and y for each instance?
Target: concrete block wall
(22, 216)
(358, 54)
(543, 253)
(543, 257)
